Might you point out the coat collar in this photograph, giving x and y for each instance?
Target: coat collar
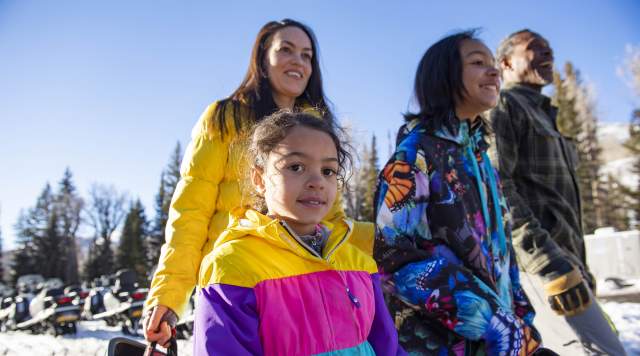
(250, 222)
(536, 97)
(463, 132)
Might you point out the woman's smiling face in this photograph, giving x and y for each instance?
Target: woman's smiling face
(288, 65)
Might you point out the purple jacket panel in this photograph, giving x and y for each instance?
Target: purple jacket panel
(226, 322)
(383, 336)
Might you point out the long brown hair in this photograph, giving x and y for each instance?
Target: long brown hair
(255, 89)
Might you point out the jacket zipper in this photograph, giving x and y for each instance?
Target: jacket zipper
(354, 300)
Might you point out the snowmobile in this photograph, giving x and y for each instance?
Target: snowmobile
(52, 311)
(94, 301)
(122, 303)
(6, 299)
(16, 309)
(78, 296)
(5, 309)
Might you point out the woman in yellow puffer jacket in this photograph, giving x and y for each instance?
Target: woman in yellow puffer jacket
(283, 73)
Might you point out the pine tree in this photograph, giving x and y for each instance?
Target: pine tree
(69, 206)
(576, 120)
(354, 192)
(631, 71)
(633, 145)
(24, 260)
(32, 229)
(369, 181)
(38, 227)
(131, 251)
(359, 194)
(169, 179)
(52, 249)
(172, 175)
(156, 235)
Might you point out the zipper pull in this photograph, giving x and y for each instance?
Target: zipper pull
(353, 298)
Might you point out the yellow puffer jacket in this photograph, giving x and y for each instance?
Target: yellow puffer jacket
(208, 189)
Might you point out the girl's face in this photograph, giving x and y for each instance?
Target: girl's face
(288, 65)
(299, 181)
(480, 79)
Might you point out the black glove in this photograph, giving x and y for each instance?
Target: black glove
(568, 294)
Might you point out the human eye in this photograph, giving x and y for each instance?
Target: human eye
(329, 172)
(295, 167)
(307, 56)
(285, 49)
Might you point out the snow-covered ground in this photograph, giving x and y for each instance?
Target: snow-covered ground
(626, 317)
(93, 337)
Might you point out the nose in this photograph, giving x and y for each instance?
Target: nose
(315, 182)
(493, 71)
(297, 59)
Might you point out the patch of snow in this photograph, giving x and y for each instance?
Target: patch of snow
(92, 339)
(621, 169)
(619, 131)
(626, 317)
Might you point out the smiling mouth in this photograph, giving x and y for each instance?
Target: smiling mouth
(546, 65)
(312, 202)
(490, 87)
(294, 74)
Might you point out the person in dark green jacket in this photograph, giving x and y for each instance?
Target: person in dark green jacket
(537, 165)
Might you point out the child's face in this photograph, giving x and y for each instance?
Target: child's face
(299, 180)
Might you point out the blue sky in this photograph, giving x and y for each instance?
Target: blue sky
(108, 88)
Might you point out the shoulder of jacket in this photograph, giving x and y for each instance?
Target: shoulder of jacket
(510, 99)
(231, 263)
(354, 258)
(219, 117)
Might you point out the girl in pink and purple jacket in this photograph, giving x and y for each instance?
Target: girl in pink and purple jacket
(280, 281)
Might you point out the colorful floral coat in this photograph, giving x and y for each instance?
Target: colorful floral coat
(444, 244)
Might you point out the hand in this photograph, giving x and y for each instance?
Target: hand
(568, 294)
(158, 324)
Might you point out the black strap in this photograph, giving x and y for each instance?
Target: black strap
(171, 351)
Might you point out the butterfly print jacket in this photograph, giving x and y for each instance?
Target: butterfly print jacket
(443, 242)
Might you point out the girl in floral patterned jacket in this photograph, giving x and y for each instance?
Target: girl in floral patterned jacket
(443, 238)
